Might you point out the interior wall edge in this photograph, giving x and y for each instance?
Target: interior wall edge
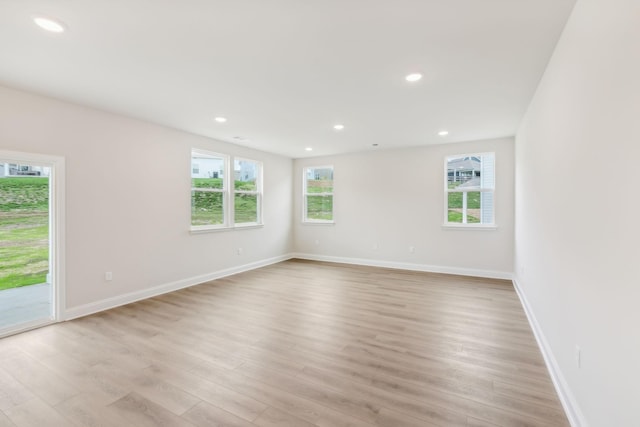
(567, 398)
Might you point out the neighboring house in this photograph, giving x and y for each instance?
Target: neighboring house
(245, 171)
(320, 173)
(207, 167)
(463, 169)
(13, 169)
(213, 167)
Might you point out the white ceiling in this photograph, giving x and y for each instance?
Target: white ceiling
(285, 71)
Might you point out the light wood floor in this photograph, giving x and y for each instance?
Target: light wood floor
(294, 344)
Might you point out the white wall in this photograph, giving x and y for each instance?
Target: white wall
(577, 206)
(128, 198)
(395, 199)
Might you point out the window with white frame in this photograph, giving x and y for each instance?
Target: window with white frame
(247, 201)
(317, 191)
(221, 199)
(469, 189)
(209, 189)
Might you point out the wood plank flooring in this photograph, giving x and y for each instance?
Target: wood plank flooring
(297, 343)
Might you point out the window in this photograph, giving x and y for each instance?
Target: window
(247, 191)
(217, 205)
(470, 185)
(209, 189)
(318, 194)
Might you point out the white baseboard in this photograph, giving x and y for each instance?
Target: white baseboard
(106, 304)
(490, 274)
(569, 403)
(130, 297)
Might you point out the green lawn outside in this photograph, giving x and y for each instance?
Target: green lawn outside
(207, 207)
(320, 207)
(455, 216)
(24, 231)
(455, 206)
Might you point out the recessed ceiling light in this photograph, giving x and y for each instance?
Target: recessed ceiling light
(414, 77)
(220, 119)
(49, 24)
(308, 149)
(338, 127)
(443, 133)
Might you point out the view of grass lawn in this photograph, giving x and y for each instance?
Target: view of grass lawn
(207, 207)
(24, 231)
(320, 207)
(455, 206)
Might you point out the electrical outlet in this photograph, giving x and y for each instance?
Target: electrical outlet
(412, 249)
(108, 276)
(240, 251)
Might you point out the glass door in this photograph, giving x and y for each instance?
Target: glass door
(26, 288)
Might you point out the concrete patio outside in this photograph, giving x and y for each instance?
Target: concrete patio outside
(25, 304)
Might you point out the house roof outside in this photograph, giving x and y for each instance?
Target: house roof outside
(464, 164)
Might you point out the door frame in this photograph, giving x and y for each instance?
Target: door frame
(56, 233)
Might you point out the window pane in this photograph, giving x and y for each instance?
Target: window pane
(245, 175)
(454, 207)
(455, 215)
(479, 207)
(455, 201)
(319, 180)
(463, 171)
(206, 171)
(470, 171)
(246, 208)
(207, 208)
(473, 207)
(320, 207)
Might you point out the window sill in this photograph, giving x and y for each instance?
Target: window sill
(318, 223)
(480, 227)
(208, 229)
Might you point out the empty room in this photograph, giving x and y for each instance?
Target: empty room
(319, 213)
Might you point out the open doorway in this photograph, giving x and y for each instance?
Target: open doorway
(30, 219)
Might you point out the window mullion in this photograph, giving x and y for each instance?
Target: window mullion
(229, 184)
(464, 207)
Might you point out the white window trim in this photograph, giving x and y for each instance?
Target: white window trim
(468, 226)
(479, 227)
(306, 220)
(228, 196)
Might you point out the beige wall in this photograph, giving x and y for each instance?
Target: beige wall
(395, 199)
(577, 237)
(128, 198)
